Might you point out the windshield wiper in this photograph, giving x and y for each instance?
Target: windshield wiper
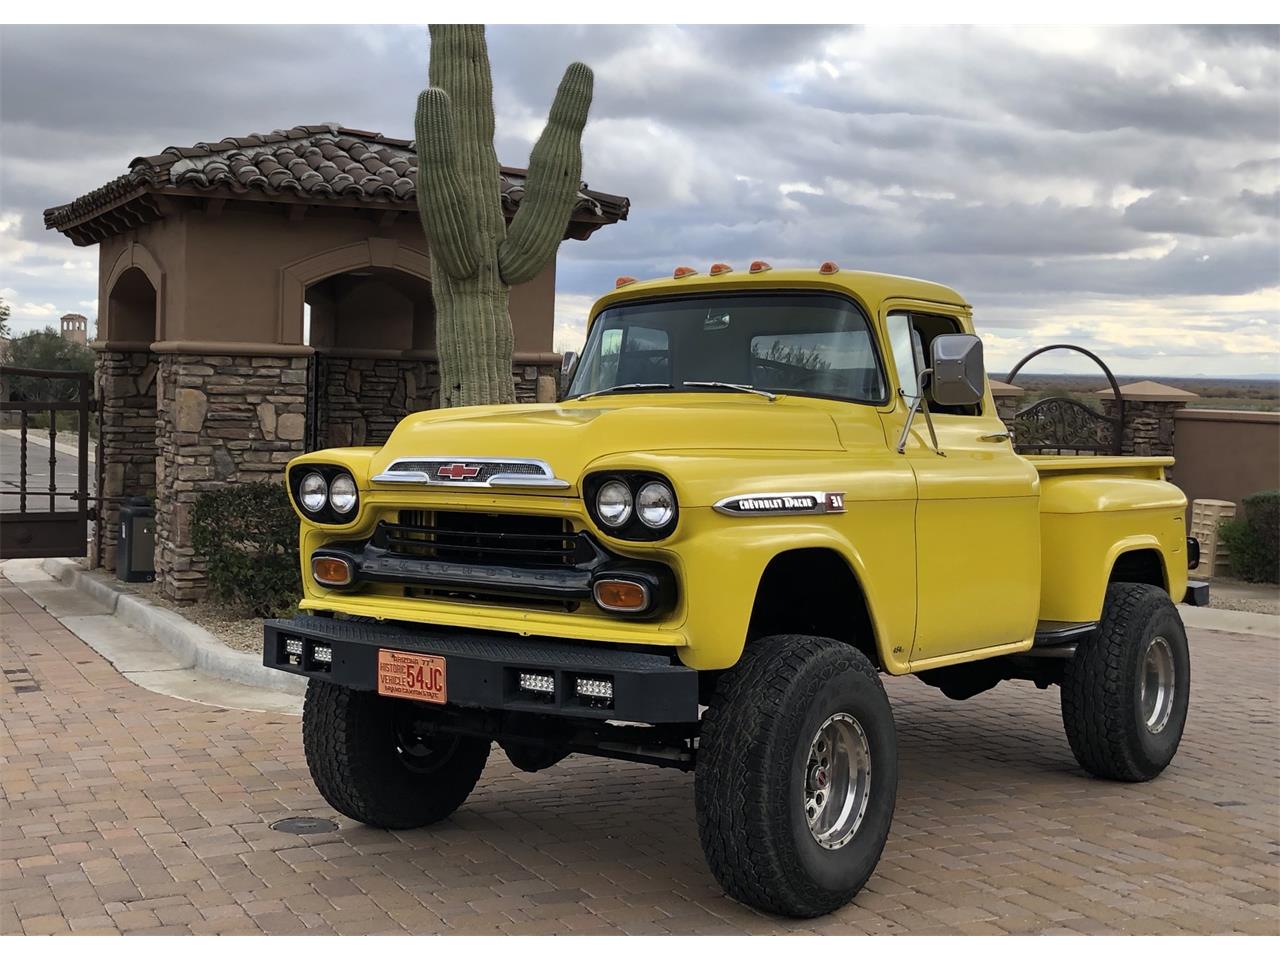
(744, 387)
(623, 386)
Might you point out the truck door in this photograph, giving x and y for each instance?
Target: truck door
(977, 514)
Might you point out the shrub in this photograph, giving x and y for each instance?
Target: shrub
(248, 534)
(1253, 539)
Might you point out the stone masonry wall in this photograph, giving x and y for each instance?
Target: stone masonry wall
(1148, 426)
(126, 391)
(361, 399)
(222, 420)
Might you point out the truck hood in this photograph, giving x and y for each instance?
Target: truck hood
(570, 436)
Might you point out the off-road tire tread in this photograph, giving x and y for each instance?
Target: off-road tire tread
(738, 829)
(1097, 704)
(339, 730)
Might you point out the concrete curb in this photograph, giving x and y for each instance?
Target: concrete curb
(1231, 621)
(192, 645)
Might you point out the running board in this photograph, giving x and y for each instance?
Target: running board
(1055, 633)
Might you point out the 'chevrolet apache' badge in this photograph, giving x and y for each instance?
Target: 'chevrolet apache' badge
(780, 504)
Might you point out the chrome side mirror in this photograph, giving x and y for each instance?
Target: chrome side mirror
(958, 376)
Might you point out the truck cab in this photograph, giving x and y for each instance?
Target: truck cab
(761, 490)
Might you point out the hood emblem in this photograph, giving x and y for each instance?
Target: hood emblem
(780, 504)
(457, 471)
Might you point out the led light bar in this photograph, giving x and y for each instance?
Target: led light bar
(322, 654)
(597, 689)
(538, 682)
(293, 647)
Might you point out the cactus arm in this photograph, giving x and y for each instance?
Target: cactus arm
(442, 199)
(555, 173)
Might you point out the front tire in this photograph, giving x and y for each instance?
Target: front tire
(797, 775)
(373, 761)
(1126, 690)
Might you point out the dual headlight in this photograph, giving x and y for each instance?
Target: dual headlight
(632, 506)
(325, 494)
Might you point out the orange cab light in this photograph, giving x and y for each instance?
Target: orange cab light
(331, 571)
(719, 268)
(759, 266)
(623, 281)
(623, 596)
(681, 272)
(829, 268)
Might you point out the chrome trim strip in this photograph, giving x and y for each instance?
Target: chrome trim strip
(548, 479)
(780, 504)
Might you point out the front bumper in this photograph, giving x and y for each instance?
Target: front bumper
(482, 669)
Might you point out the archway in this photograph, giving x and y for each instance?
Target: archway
(126, 387)
(373, 332)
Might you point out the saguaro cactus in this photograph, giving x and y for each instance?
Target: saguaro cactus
(475, 257)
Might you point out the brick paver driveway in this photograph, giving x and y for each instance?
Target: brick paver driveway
(127, 811)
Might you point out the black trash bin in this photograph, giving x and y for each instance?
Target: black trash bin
(136, 548)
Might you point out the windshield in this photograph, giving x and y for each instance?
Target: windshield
(801, 343)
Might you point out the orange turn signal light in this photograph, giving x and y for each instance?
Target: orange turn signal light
(623, 596)
(829, 268)
(759, 266)
(719, 268)
(331, 571)
(623, 281)
(683, 272)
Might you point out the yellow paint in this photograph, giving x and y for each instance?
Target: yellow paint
(958, 556)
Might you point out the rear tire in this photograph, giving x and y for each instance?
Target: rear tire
(373, 763)
(782, 827)
(1126, 690)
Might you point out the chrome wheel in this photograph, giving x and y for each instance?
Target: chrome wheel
(837, 781)
(1156, 690)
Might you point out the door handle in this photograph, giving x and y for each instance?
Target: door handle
(994, 437)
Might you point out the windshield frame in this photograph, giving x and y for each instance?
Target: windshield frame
(873, 335)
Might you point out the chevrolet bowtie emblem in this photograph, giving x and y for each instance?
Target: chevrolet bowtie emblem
(457, 471)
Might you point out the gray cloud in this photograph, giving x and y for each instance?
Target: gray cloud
(1116, 176)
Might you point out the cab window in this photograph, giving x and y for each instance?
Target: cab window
(910, 340)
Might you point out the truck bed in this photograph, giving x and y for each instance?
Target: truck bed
(1144, 468)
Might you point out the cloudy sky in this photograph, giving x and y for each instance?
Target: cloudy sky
(1112, 187)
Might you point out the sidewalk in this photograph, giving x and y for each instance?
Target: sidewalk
(133, 640)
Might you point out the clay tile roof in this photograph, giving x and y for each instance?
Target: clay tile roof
(1150, 390)
(320, 163)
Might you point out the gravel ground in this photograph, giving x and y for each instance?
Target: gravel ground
(1228, 594)
(237, 632)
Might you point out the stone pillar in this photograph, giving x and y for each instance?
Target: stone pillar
(1149, 411)
(537, 377)
(125, 385)
(222, 419)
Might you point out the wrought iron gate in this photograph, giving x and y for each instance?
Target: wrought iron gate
(43, 516)
(1062, 425)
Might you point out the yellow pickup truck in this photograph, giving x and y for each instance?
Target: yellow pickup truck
(761, 490)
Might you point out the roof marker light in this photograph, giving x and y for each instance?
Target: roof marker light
(719, 268)
(828, 268)
(623, 281)
(681, 272)
(759, 266)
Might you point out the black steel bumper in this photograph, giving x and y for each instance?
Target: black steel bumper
(483, 669)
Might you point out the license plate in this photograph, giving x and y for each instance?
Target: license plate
(414, 676)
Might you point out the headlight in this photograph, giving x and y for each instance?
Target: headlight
(632, 504)
(342, 493)
(613, 503)
(655, 504)
(313, 493)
